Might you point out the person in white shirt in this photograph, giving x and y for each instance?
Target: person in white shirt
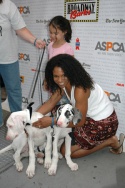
(11, 26)
(98, 126)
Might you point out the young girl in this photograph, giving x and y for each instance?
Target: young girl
(60, 36)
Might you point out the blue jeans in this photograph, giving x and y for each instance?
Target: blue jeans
(11, 77)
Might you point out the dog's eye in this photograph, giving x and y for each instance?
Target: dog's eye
(67, 114)
(10, 126)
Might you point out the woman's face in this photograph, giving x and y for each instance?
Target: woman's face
(59, 77)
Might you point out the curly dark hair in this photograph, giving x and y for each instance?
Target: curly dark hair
(64, 25)
(73, 70)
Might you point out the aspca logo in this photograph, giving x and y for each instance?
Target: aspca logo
(22, 79)
(24, 10)
(113, 97)
(24, 57)
(25, 100)
(47, 41)
(106, 46)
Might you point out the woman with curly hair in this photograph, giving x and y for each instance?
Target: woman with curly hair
(99, 123)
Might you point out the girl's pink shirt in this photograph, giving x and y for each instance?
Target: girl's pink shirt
(64, 49)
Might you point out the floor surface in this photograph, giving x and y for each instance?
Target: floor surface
(98, 170)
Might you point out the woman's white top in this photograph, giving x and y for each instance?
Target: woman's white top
(99, 105)
(10, 20)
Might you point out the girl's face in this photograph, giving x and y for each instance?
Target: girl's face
(59, 77)
(56, 34)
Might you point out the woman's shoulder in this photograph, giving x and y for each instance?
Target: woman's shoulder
(79, 91)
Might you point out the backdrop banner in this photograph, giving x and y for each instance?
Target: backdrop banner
(98, 42)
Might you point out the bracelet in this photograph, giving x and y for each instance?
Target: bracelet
(52, 124)
(35, 42)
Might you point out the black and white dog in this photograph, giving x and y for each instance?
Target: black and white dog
(65, 114)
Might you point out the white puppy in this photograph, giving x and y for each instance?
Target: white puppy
(65, 114)
(21, 135)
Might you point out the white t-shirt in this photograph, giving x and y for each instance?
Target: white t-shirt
(99, 105)
(10, 20)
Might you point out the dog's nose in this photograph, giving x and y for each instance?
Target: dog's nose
(59, 123)
(8, 138)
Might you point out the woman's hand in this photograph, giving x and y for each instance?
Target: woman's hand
(43, 122)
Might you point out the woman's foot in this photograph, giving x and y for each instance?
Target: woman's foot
(119, 149)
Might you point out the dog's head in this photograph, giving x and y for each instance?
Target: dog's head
(66, 113)
(17, 121)
(14, 125)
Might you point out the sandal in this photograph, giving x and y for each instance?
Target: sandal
(119, 150)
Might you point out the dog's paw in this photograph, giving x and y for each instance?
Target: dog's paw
(30, 172)
(52, 170)
(40, 160)
(47, 163)
(60, 156)
(19, 166)
(73, 166)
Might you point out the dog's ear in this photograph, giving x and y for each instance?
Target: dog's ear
(77, 116)
(18, 120)
(58, 111)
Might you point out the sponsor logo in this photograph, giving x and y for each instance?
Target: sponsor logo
(86, 65)
(121, 21)
(24, 10)
(43, 21)
(120, 84)
(81, 11)
(24, 57)
(108, 46)
(113, 97)
(77, 44)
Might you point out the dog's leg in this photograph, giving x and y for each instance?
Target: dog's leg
(48, 150)
(18, 144)
(60, 142)
(17, 158)
(70, 163)
(53, 168)
(31, 167)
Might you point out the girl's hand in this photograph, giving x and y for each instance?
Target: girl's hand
(43, 122)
